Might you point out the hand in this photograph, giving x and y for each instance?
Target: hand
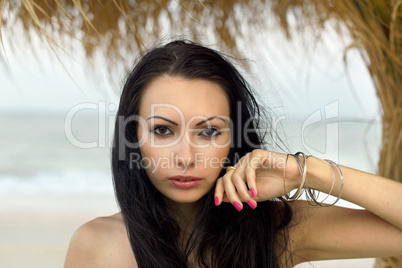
(259, 176)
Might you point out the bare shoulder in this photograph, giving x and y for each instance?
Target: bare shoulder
(101, 242)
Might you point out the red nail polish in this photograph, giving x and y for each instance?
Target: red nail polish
(251, 204)
(216, 201)
(237, 206)
(253, 194)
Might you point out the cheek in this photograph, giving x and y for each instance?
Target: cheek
(148, 157)
(221, 149)
(155, 161)
(216, 159)
(148, 162)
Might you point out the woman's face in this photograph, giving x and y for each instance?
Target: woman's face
(184, 135)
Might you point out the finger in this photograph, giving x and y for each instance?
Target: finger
(244, 165)
(238, 179)
(230, 191)
(257, 157)
(219, 191)
(251, 182)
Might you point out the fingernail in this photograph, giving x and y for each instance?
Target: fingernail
(251, 204)
(237, 206)
(216, 201)
(253, 194)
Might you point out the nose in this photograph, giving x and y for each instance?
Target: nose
(184, 154)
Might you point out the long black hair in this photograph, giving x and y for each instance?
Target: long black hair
(221, 236)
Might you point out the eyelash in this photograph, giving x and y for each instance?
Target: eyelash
(156, 131)
(217, 131)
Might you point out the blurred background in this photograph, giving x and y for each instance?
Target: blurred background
(328, 71)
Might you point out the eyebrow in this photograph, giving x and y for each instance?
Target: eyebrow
(174, 123)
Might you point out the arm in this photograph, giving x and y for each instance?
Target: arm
(379, 195)
(323, 233)
(347, 233)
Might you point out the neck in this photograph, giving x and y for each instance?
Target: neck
(183, 213)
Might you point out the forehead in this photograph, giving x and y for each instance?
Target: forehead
(175, 96)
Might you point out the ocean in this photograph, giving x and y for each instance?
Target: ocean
(39, 156)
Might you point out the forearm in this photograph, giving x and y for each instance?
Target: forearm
(378, 195)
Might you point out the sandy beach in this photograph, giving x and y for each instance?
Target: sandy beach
(36, 233)
(35, 230)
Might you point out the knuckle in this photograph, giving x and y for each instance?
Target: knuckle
(225, 177)
(249, 169)
(236, 177)
(231, 196)
(226, 181)
(256, 151)
(243, 193)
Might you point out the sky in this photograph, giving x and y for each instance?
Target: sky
(42, 81)
(289, 77)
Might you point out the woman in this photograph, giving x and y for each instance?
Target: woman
(196, 189)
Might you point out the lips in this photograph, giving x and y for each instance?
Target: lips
(185, 182)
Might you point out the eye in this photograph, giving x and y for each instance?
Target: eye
(210, 132)
(162, 130)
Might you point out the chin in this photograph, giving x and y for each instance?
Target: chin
(185, 197)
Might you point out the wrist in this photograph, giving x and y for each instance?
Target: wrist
(318, 174)
(293, 177)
